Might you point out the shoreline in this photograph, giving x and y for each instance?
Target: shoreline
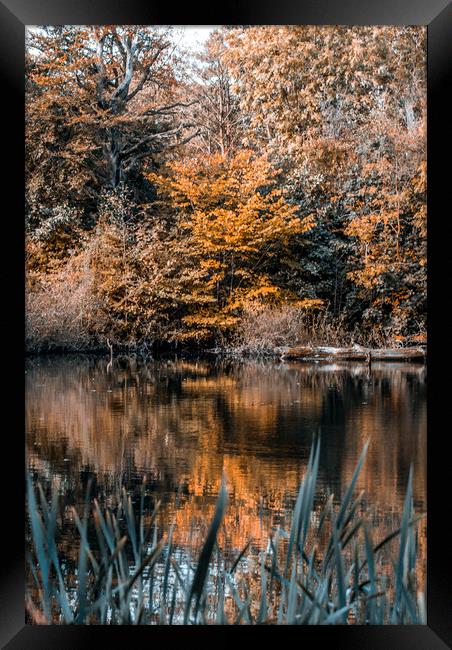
(305, 353)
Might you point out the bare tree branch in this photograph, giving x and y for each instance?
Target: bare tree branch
(155, 136)
(150, 152)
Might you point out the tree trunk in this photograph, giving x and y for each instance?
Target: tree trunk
(354, 354)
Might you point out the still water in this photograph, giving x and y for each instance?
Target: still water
(181, 424)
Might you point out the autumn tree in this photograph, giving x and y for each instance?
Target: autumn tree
(299, 83)
(237, 225)
(337, 107)
(215, 106)
(300, 88)
(169, 194)
(388, 232)
(100, 101)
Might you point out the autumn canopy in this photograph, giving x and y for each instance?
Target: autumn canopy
(173, 196)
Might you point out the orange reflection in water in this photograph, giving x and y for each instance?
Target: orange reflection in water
(186, 423)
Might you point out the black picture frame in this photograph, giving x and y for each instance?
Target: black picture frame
(14, 16)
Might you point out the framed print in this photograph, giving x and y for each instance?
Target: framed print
(234, 224)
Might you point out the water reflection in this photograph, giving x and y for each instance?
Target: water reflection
(183, 423)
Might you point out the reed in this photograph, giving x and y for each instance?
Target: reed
(326, 569)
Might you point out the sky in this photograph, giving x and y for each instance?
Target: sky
(190, 36)
(194, 36)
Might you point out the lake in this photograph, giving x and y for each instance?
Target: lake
(180, 424)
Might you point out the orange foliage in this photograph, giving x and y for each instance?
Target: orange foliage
(236, 221)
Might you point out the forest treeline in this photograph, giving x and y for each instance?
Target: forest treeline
(268, 189)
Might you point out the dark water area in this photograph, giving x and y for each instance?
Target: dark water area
(182, 424)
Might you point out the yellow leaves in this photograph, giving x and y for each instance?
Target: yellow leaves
(307, 223)
(309, 304)
(232, 203)
(420, 338)
(369, 276)
(206, 319)
(206, 182)
(203, 323)
(235, 217)
(211, 264)
(263, 292)
(266, 293)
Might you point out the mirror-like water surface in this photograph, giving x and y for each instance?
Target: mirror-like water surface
(184, 423)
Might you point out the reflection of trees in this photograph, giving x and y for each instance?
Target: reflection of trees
(186, 422)
(395, 418)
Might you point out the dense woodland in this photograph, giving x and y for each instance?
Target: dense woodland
(267, 190)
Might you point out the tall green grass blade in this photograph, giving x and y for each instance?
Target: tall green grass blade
(292, 597)
(262, 614)
(351, 488)
(340, 616)
(131, 524)
(220, 616)
(372, 577)
(148, 561)
(105, 526)
(38, 534)
(401, 569)
(206, 552)
(318, 583)
(239, 557)
(82, 529)
(340, 573)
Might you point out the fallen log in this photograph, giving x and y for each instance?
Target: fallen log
(399, 353)
(356, 353)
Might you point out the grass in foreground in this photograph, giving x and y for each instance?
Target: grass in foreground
(325, 570)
